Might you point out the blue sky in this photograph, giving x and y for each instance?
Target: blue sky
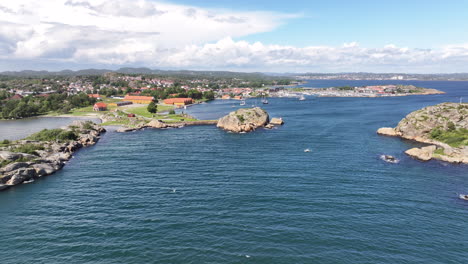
(411, 23)
(303, 36)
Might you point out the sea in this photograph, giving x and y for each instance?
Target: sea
(201, 195)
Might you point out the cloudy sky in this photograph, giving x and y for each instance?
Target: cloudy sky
(270, 36)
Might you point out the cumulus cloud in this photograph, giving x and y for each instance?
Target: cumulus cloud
(160, 34)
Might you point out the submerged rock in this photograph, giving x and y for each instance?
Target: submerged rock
(244, 120)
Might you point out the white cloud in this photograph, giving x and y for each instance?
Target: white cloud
(160, 34)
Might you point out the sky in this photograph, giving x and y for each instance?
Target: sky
(410, 36)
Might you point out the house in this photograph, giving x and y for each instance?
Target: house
(97, 96)
(15, 97)
(178, 101)
(226, 96)
(136, 99)
(121, 103)
(130, 115)
(100, 107)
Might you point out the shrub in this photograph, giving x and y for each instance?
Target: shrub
(67, 135)
(241, 118)
(172, 112)
(28, 148)
(88, 125)
(53, 134)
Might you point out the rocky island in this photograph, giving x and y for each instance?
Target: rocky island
(43, 153)
(444, 127)
(240, 121)
(247, 120)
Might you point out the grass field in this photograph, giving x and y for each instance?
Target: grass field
(142, 111)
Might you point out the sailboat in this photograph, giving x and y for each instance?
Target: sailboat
(264, 100)
(302, 98)
(242, 102)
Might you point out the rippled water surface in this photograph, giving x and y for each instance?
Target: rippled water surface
(201, 195)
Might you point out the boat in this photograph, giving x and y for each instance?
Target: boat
(463, 196)
(389, 158)
(265, 101)
(302, 98)
(242, 102)
(306, 150)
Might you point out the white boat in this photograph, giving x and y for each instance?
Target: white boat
(302, 98)
(265, 101)
(242, 102)
(463, 196)
(389, 158)
(307, 150)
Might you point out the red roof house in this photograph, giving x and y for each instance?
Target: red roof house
(100, 106)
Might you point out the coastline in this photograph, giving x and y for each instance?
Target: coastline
(443, 127)
(25, 160)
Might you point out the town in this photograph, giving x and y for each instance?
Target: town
(81, 95)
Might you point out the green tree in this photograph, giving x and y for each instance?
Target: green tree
(152, 108)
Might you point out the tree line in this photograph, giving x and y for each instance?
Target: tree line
(33, 105)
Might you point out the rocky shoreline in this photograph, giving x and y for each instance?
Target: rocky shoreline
(241, 121)
(422, 125)
(46, 157)
(162, 125)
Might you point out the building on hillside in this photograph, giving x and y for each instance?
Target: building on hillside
(226, 96)
(15, 97)
(100, 106)
(121, 103)
(97, 96)
(178, 101)
(139, 99)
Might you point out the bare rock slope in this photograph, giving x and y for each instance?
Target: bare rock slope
(244, 120)
(445, 126)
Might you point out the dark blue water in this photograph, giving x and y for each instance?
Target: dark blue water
(249, 198)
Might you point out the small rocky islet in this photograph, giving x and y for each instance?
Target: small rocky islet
(444, 127)
(240, 121)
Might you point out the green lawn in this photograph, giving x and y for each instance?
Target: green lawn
(165, 108)
(142, 111)
(173, 118)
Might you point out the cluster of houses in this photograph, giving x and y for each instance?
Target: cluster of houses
(235, 93)
(385, 89)
(136, 99)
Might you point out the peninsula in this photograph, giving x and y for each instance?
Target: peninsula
(44, 152)
(372, 91)
(444, 127)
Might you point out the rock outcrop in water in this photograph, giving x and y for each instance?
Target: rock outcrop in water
(443, 126)
(244, 120)
(46, 157)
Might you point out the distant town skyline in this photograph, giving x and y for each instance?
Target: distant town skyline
(265, 36)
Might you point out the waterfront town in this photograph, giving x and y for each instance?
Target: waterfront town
(78, 95)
